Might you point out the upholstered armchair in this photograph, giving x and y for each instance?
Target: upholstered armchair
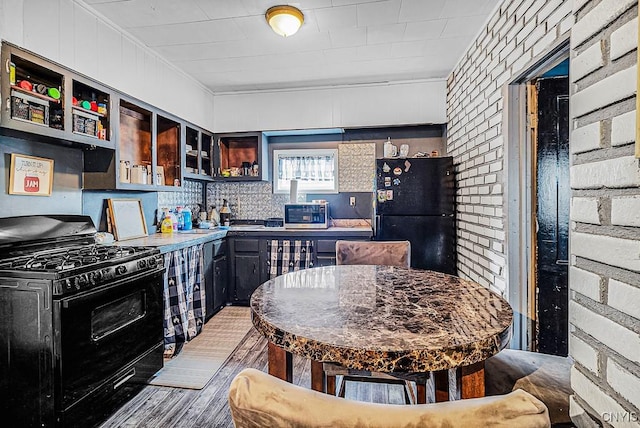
(257, 400)
(546, 377)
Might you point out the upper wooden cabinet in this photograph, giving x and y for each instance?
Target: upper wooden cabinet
(148, 154)
(42, 98)
(128, 144)
(169, 151)
(33, 93)
(90, 112)
(198, 154)
(241, 157)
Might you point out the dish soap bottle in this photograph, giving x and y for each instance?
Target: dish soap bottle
(166, 226)
(225, 213)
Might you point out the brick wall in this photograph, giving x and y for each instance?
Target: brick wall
(605, 178)
(605, 215)
(518, 32)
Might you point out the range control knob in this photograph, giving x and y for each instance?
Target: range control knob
(153, 262)
(97, 278)
(142, 264)
(121, 270)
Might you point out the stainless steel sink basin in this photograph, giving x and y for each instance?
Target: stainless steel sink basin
(197, 231)
(247, 226)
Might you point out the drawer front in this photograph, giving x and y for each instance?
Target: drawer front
(247, 245)
(326, 246)
(219, 248)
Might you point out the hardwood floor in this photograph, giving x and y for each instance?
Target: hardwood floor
(157, 406)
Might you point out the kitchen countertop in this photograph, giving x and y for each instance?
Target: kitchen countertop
(173, 241)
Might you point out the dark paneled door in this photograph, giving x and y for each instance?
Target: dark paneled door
(553, 199)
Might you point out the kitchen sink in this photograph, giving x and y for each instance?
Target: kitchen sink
(198, 231)
(247, 226)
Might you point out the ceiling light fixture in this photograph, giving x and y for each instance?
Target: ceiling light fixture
(284, 20)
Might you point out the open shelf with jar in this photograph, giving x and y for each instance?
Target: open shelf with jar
(90, 113)
(130, 166)
(192, 151)
(206, 151)
(198, 145)
(134, 144)
(33, 92)
(240, 157)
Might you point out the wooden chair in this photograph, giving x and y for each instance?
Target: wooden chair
(389, 253)
(257, 400)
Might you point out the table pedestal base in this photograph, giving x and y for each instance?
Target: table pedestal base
(280, 363)
(469, 379)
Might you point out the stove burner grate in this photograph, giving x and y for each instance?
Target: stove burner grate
(65, 259)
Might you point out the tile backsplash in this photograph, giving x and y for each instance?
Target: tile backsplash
(356, 167)
(248, 201)
(191, 196)
(256, 200)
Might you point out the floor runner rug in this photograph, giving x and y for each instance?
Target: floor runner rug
(202, 357)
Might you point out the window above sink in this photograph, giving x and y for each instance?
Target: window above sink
(316, 170)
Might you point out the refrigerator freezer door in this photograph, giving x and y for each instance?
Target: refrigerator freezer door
(415, 186)
(433, 239)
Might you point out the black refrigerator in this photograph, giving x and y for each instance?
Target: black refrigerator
(415, 201)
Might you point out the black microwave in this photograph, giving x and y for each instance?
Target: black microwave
(307, 215)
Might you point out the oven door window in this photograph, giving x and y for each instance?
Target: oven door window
(113, 316)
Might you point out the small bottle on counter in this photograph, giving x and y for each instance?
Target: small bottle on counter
(174, 220)
(166, 225)
(180, 218)
(214, 217)
(187, 218)
(225, 213)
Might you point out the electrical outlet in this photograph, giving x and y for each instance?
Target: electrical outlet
(352, 201)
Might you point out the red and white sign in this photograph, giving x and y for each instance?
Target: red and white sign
(30, 175)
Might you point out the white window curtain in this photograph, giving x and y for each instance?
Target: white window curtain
(315, 170)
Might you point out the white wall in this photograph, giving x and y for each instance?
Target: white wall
(67, 33)
(332, 107)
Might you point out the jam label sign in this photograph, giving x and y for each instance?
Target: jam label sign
(30, 175)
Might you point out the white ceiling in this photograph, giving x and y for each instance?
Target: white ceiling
(228, 46)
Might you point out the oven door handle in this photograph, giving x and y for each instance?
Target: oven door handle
(74, 300)
(117, 384)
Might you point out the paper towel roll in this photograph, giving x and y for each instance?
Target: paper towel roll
(293, 192)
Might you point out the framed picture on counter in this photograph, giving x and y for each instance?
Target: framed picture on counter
(30, 175)
(127, 218)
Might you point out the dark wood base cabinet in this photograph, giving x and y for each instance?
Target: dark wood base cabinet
(215, 275)
(249, 260)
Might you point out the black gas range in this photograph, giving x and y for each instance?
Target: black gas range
(80, 323)
(79, 268)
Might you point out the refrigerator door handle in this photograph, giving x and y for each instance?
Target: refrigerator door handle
(376, 227)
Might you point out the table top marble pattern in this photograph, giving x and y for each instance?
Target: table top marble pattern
(382, 318)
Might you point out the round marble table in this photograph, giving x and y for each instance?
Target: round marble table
(383, 319)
